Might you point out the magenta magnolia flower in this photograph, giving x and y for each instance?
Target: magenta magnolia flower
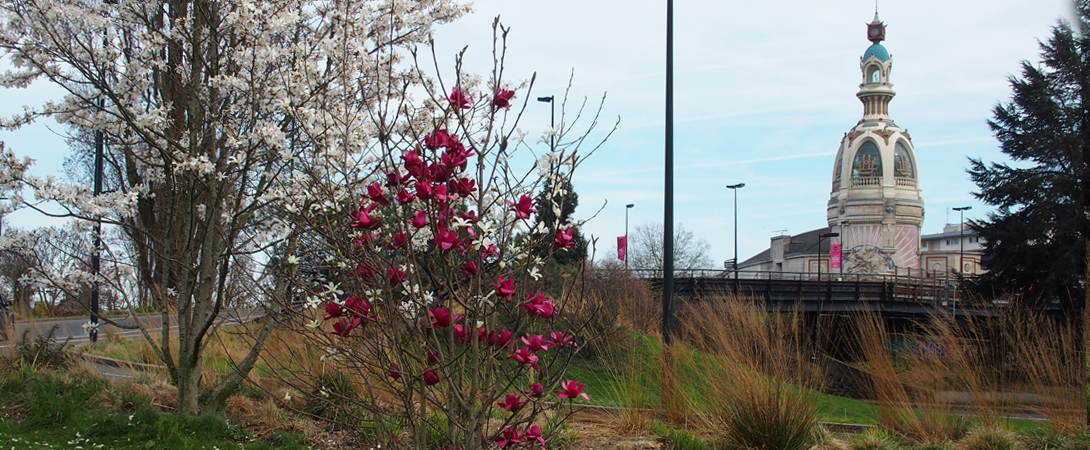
(471, 216)
(533, 434)
(503, 98)
(420, 219)
(564, 239)
(463, 186)
(459, 99)
(505, 287)
(364, 220)
(394, 179)
(357, 306)
(511, 402)
(374, 192)
(344, 326)
(366, 269)
(470, 269)
(333, 310)
(413, 164)
(523, 208)
(404, 197)
(488, 252)
(399, 240)
(524, 356)
(433, 358)
(394, 372)
(536, 305)
(447, 240)
(424, 190)
(508, 437)
(441, 317)
(559, 339)
(438, 139)
(534, 390)
(571, 390)
(501, 339)
(430, 378)
(395, 276)
(535, 343)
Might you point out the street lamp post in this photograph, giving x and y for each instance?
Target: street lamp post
(821, 237)
(735, 188)
(552, 120)
(961, 251)
(626, 208)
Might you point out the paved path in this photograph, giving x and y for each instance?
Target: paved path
(73, 326)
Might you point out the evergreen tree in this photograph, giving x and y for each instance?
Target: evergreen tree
(563, 196)
(1036, 240)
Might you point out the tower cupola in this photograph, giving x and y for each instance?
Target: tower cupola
(875, 200)
(876, 91)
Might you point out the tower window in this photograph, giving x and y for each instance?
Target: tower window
(902, 162)
(868, 163)
(874, 75)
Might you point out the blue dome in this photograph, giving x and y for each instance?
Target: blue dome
(877, 50)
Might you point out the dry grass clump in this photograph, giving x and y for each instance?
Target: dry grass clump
(754, 394)
(874, 439)
(823, 439)
(990, 437)
(261, 418)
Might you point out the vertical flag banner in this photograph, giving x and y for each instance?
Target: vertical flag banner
(622, 247)
(834, 256)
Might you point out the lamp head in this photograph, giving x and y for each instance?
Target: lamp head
(963, 208)
(830, 235)
(736, 186)
(548, 99)
(629, 205)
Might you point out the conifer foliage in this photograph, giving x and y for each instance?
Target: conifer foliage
(1036, 240)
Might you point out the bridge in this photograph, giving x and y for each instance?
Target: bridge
(891, 295)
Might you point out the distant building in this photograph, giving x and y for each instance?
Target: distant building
(940, 252)
(799, 256)
(875, 205)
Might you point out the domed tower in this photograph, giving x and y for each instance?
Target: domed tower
(875, 201)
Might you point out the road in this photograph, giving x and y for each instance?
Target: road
(73, 326)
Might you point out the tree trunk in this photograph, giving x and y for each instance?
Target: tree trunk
(189, 385)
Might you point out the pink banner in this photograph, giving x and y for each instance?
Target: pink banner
(834, 256)
(622, 247)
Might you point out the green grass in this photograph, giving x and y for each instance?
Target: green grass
(45, 409)
(601, 382)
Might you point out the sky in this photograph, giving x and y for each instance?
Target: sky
(764, 91)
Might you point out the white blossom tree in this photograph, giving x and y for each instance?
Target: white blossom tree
(211, 109)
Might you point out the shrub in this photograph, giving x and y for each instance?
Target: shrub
(678, 438)
(332, 398)
(823, 439)
(990, 437)
(44, 350)
(774, 416)
(874, 439)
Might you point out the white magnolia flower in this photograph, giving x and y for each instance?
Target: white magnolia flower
(534, 273)
(291, 259)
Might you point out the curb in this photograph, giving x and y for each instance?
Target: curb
(106, 361)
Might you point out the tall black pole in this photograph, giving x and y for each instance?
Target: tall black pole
(735, 188)
(829, 286)
(626, 208)
(668, 194)
(100, 142)
(961, 252)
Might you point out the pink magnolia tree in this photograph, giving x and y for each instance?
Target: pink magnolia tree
(431, 305)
